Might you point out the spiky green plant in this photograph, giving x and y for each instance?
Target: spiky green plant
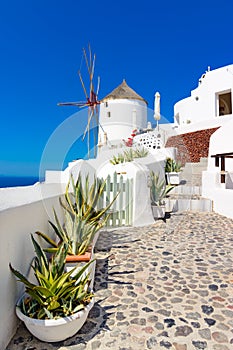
(172, 166)
(82, 219)
(82, 198)
(140, 152)
(129, 155)
(158, 189)
(76, 232)
(117, 159)
(57, 293)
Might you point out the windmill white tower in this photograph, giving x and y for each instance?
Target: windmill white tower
(121, 112)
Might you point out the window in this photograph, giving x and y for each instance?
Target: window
(109, 114)
(224, 103)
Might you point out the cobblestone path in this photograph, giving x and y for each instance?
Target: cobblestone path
(164, 286)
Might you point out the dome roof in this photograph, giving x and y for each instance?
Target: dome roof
(123, 91)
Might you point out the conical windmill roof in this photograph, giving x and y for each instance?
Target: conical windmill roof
(123, 91)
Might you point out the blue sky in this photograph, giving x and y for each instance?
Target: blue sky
(160, 46)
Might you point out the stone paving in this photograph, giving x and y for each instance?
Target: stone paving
(164, 286)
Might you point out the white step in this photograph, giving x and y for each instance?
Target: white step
(181, 205)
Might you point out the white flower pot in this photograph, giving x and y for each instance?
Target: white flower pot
(170, 205)
(55, 330)
(173, 178)
(158, 211)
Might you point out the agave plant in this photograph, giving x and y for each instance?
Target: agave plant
(58, 293)
(84, 200)
(76, 232)
(172, 166)
(82, 219)
(117, 159)
(158, 189)
(129, 155)
(140, 152)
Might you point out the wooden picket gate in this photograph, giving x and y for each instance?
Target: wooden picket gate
(121, 211)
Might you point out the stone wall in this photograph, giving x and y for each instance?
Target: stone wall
(191, 146)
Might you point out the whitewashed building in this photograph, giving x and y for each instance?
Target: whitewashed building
(210, 104)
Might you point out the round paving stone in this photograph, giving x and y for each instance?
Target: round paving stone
(199, 344)
(220, 337)
(183, 331)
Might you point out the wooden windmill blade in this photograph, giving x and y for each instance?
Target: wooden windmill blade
(83, 86)
(92, 75)
(93, 104)
(90, 68)
(98, 86)
(97, 92)
(91, 99)
(78, 104)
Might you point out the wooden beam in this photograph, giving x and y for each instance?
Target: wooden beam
(222, 154)
(223, 169)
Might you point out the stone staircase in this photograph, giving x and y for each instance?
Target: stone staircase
(187, 195)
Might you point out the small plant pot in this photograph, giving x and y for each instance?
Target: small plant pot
(170, 205)
(79, 258)
(55, 330)
(87, 256)
(158, 211)
(173, 178)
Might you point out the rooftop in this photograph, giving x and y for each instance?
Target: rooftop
(123, 91)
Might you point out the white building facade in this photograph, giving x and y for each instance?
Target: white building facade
(210, 104)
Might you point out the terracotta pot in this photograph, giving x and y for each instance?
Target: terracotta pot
(78, 258)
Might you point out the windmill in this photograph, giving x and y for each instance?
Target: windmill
(92, 101)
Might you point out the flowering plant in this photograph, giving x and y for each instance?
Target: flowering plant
(129, 142)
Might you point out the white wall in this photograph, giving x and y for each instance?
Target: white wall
(29, 213)
(142, 214)
(221, 194)
(202, 104)
(125, 115)
(221, 141)
(202, 125)
(74, 168)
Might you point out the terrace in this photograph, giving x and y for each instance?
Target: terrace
(164, 286)
(167, 285)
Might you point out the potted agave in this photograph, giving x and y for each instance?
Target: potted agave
(83, 219)
(158, 191)
(78, 235)
(57, 306)
(172, 171)
(82, 223)
(84, 200)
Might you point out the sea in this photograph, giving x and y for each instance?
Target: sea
(15, 181)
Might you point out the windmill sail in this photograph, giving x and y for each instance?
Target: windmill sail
(91, 102)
